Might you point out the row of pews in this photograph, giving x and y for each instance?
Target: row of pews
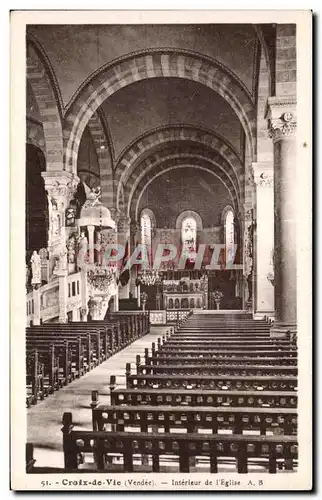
(57, 354)
(214, 394)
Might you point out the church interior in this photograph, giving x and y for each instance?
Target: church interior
(161, 323)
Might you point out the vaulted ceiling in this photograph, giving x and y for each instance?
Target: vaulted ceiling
(216, 149)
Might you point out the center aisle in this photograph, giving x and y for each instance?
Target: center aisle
(45, 418)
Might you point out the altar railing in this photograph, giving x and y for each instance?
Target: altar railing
(172, 316)
(164, 317)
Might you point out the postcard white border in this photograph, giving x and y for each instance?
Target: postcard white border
(300, 480)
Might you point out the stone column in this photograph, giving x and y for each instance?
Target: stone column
(248, 267)
(90, 230)
(264, 240)
(60, 187)
(123, 234)
(281, 116)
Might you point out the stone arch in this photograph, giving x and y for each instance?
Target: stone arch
(264, 143)
(35, 135)
(160, 161)
(150, 213)
(155, 63)
(130, 157)
(228, 208)
(189, 213)
(46, 93)
(265, 54)
(135, 201)
(104, 154)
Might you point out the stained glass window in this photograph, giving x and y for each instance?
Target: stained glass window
(146, 233)
(189, 238)
(230, 237)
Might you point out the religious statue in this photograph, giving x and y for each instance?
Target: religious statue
(82, 242)
(92, 196)
(61, 261)
(248, 246)
(70, 216)
(54, 217)
(35, 269)
(63, 258)
(82, 250)
(71, 250)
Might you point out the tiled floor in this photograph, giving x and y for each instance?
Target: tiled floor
(45, 419)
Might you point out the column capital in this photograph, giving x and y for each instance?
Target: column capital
(263, 174)
(60, 183)
(281, 116)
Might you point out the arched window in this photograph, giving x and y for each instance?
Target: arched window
(146, 230)
(147, 222)
(229, 237)
(189, 238)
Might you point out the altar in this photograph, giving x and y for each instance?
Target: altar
(185, 293)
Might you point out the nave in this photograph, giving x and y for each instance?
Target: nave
(211, 393)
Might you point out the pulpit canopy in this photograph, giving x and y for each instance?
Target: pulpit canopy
(97, 215)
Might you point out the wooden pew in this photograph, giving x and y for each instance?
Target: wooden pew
(184, 397)
(212, 369)
(223, 353)
(82, 354)
(253, 382)
(49, 357)
(181, 360)
(34, 379)
(215, 446)
(92, 340)
(69, 353)
(189, 418)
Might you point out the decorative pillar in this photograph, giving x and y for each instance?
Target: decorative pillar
(264, 241)
(248, 258)
(123, 234)
(60, 187)
(281, 114)
(90, 230)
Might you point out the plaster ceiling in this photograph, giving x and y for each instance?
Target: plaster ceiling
(77, 51)
(148, 104)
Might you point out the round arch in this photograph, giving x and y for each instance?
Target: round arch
(46, 93)
(154, 63)
(167, 163)
(187, 214)
(136, 201)
(228, 208)
(130, 158)
(163, 157)
(35, 135)
(150, 213)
